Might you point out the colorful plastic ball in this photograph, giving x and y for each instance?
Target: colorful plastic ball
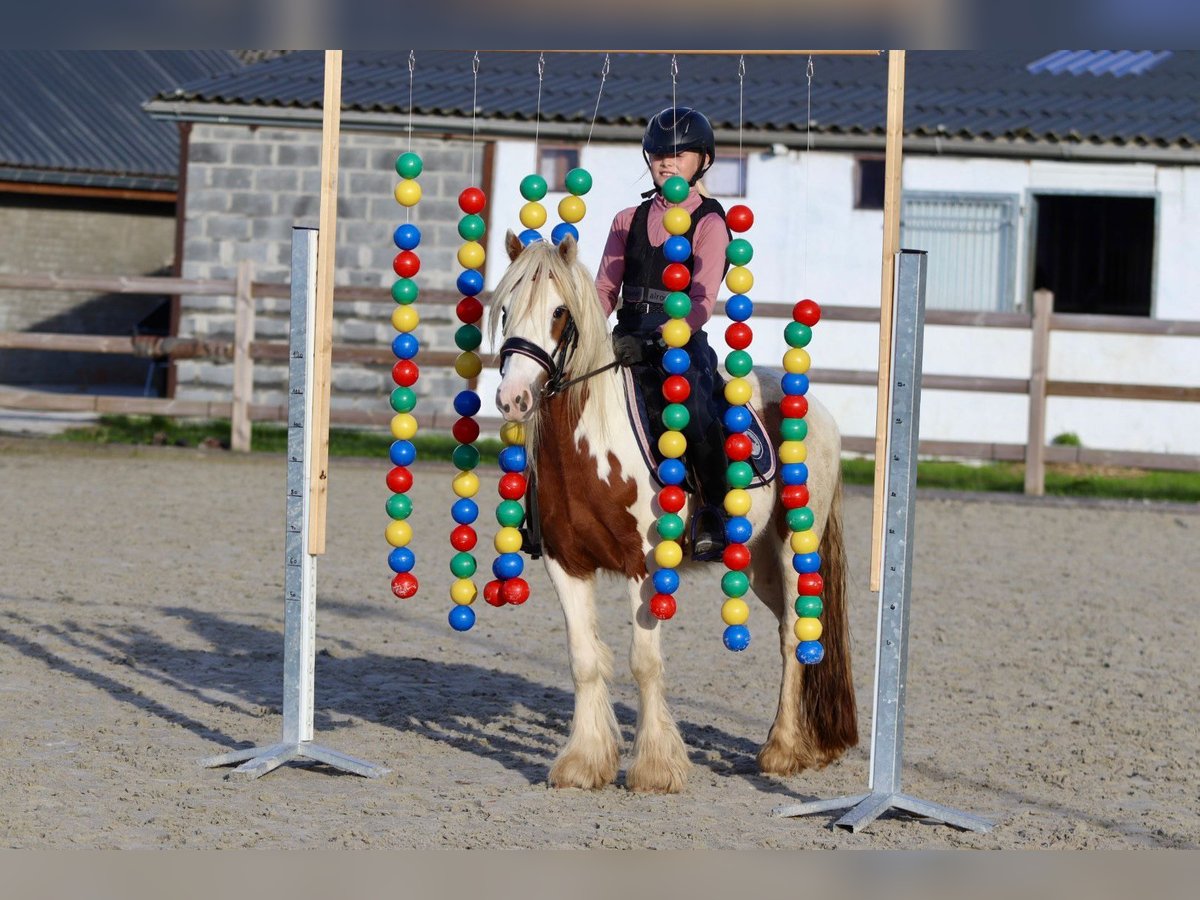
(465, 430)
(739, 307)
(407, 236)
(806, 563)
(562, 230)
(529, 236)
(739, 280)
(676, 389)
(739, 252)
(672, 444)
(507, 540)
(463, 538)
(797, 361)
(408, 193)
(571, 209)
(677, 220)
(737, 419)
(794, 406)
(666, 581)
(513, 459)
(738, 447)
(463, 591)
(677, 249)
(735, 611)
(737, 502)
(515, 591)
(671, 471)
(672, 498)
(793, 473)
(810, 584)
(662, 606)
(738, 363)
(804, 541)
(465, 484)
(471, 200)
(793, 452)
(464, 511)
(533, 215)
(668, 554)
(402, 453)
(462, 565)
(491, 593)
(399, 480)
(404, 320)
(508, 565)
(398, 533)
(736, 638)
(403, 399)
(405, 345)
(510, 513)
(404, 426)
(676, 277)
(405, 290)
(793, 429)
(533, 187)
(408, 165)
(512, 486)
(467, 403)
(512, 433)
(468, 365)
(738, 391)
(736, 557)
(739, 335)
(406, 264)
(675, 189)
(677, 304)
(670, 527)
(738, 529)
(810, 652)
(462, 618)
(465, 457)
(797, 334)
(794, 383)
(399, 506)
(676, 361)
(800, 519)
(676, 416)
(807, 312)
(809, 607)
(676, 333)
(578, 181)
(401, 559)
(739, 218)
(404, 585)
(739, 474)
(469, 282)
(735, 584)
(469, 310)
(471, 228)
(471, 255)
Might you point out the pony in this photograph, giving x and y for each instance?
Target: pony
(598, 508)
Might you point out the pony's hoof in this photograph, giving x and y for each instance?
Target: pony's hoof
(657, 776)
(778, 758)
(575, 770)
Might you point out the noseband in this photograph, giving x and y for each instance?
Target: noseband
(555, 366)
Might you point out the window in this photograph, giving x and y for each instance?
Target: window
(554, 163)
(868, 183)
(727, 177)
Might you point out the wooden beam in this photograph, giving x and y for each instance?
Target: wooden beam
(100, 193)
(1035, 438)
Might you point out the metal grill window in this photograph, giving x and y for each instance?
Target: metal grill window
(971, 241)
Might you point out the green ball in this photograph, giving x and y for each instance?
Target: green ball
(462, 565)
(675, 189)
(510, 513)
(739, 474)
(809, 607)
(735, 584)
(670, 526)
(408, 165)
(800, 518)
(677, 304)
(405, 291)
(739, 363)
(399, 506)
(579, 181)
(533, 187)
(739, 252)
(468, 337)
(403, 399)
(471, 228)
(797, 334)
(465, 457)
(793, 429)
(676, 416)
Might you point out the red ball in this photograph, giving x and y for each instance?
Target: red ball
(736, 557)
(662, 606)
(739, 218)
(406, 264)
(676, 277)
(404, 585)
(405, 373)
(471, 200)
(671, 498)
(465, 430)
(807, 312)
(469, 310)
(794, 406)
(463, 538)
(738, 335)
(738, 447)
(810, 584)
(795, 495)
(491, 593)
(515, 591)
(399, 480)
(512, 486)
(676, 389)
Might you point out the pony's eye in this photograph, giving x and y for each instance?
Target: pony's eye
(559, 312)
(504, 318)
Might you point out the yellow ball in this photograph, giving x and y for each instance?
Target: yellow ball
(466, 484)
(463, 592)
(468, 364)
(508, 540)
(737, 391)
(405, 318)
(533, 214)
(677, 220)
(513, 434)
(668, 554)
(734, 611)
(398, 533)
(792, 452)
(808, 629)
(796, 361)
(805, 541)
(737, 502)
(739, 280)
(672, 444)
(677, 333)
(404, 426)
(571, 209)
(408, 192)
(470, 255)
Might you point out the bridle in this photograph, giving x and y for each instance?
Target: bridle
(554, 365)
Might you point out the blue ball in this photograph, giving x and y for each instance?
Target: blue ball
(469, 283)
(401, 559)
(464, 511)
(529, 236)
(793, 473)
(402, 453)
(512, 459)
(810, 652)
(795, 384)
(466, 403)
(676, 361)
(561, 230)
(462, 618)
(737, 419)
(666, 581)
(677, 249)
(738, 530)
(806, 562)
(736, 638)
(507, 565)
(405, 345)
(739, 307)
(672, 471)
(407, 236)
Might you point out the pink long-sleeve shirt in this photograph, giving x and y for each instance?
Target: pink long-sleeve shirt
(708, 252)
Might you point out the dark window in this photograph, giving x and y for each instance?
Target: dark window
(554, 163)
(868, 184)
(1096, 254)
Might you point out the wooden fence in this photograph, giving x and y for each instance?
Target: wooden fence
(243, 350)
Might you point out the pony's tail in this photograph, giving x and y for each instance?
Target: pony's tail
(828, 705)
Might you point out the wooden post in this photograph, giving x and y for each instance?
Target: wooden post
(323, 323)
(1035, 446)
(243, 361)
(893, 165)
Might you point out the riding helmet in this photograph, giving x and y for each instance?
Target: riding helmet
(677, 129)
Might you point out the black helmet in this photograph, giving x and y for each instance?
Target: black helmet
(677, 129)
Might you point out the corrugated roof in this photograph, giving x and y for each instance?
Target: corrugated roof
(75, 117)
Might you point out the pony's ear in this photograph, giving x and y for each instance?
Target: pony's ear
(567, 249)
(513, 245)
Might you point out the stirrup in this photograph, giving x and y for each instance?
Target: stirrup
(708, 534)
